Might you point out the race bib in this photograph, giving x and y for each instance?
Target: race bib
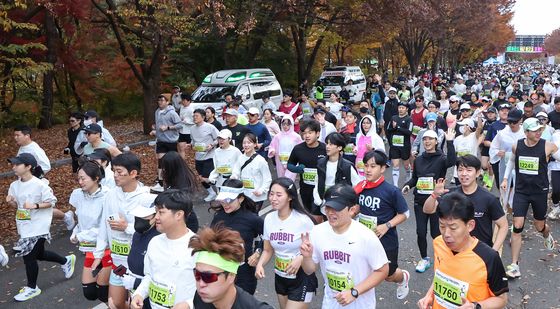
(87, 246)
(199, 147)
(448, 290)
(224, 170)
(360, 166)
(369, 221)
(462, 153)
(23, 214)
(339, 281)
(309, 175)
(415, 130)
(281, 262)
(349, 150)
(425, 185)
(162, 295)
(528, 165)
(120, 246)
(398, 140)
(248, 183)
(284, 156)
(306, 110)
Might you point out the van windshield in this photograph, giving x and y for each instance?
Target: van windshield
(332, 81)
(212, 93)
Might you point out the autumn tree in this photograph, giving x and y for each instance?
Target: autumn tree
(552, 42)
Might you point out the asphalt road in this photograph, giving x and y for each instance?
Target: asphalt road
(539, 286)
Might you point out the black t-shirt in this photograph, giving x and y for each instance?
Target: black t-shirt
(247, 223)
(330, 117)
(302, 154)
(243, 300)
(487, 209)
(217, 124)
(554, 118)
(238, 133)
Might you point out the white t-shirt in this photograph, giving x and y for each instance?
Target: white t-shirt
(89, 208)
(334, 108)
(285, 237)
(255, 176)
(168, 268)
(186, 115)
(224, 160)
(465, 145)
(39, 155)
(346, 260)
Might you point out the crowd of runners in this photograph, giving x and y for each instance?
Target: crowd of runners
(320, 164)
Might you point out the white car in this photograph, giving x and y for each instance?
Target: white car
(335, 78)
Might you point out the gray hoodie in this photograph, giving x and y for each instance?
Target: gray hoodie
(168, 117)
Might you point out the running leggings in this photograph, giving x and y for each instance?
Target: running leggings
(245, 278)
(39, 254)
(555, 181)
(422, 224)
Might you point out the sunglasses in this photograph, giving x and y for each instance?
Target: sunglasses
(513, 122)
(419, 100)
(465, 110)
(453, 101)
(207, 277)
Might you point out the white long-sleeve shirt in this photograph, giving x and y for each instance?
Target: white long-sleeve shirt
(186, 115)
(32, 222)
(105, 136)
(39, 155)
(168, 272)
(224, 160)
(89, 209)
(120, 204)
(255, 176)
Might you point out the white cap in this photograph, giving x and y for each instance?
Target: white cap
(228, 194)
(455, 98)
(465, 106)
(430, 133)
(231, 111)
(225, 133)
(392, 89)
(556, 81)
(254, 111)
(485, 98)
(469, 122)
(142, 212)
(542, 114)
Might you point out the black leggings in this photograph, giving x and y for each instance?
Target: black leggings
(496, 170)
(39, 254)
(245, 278)
(204, 168)
(555, 181)
(422, 224)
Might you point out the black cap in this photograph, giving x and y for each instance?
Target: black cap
(402, 103)
(319, 109)
(24, 158)
(340, 196)
(93, 128)
(492, 110)
(186, 96)
(515, 115)
(98, 154)
(91, 114)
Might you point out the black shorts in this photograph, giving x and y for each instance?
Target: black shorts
(484, 151)
(184, 138)
(163, 147)
(538, 202)
(402, 153)
(393, 257)
(300, 289)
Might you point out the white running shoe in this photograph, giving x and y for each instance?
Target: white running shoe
(157, 188)
(210, 197)
(27, 293)
(402, 288)
(549, 242)
(68, 268)
(512, 271)
(4, 258)
(423, 265)
(554, 214)
(69, 220)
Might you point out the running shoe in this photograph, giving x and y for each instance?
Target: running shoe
(549, 242)
(68, 267)
(512, 271)
(402, 288)
(4, 258)
(554, 214)
(210, 197)
(157, 188)
(69, 220)
(27, 293)
(423, 265)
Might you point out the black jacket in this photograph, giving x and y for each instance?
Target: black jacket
(343, 173)
(433, 164)
(243, 300)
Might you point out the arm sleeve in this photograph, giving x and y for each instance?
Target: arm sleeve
(47, 195)
(108, 138)
(316, 198)
(451, 157)
(267, 138)
(176, 120)
(267, 178)
(377, 143)
(497, 280)
(102, 241)
(354, 177)
(144, 286)
(78, 148)
(44, 161)
(495, 209)
(411, 183)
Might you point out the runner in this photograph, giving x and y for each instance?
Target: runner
(168, 265)
(76, 126)
(554, 168)
(430, 166)
(103, 158)
(382, 209)
(303, 161)
(224, 158)
(203, 141)
(290, 108)
(418, 116)
(468, 273)
(117, 226)
(4, 258)
(326, 126)
(351, 258)
(493, 130)
(237, 212)
(281, 147)
(282, 238)
(210, 114)
(487, 172)
(22, 136)
(530, 157)
(367, 139)
(488, 210)
(431, 124)
(252, 169)
(34, 201)
(93, 135)
(270, 123)
(186, 114)
(259, 130)
(218, 255)
(468, 142)
(88, 201)
(238, 131)
(399, 130)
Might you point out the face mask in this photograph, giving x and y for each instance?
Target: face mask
(87, 122)
(364, 110)
(141, 225)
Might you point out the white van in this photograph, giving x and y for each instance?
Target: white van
(334, 78)
(250, 84)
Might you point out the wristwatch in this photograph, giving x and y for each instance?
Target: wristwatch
(476, 305)
(36, 205)
(388, 224)
(354, 292)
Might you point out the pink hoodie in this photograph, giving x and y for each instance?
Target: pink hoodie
(282, 144)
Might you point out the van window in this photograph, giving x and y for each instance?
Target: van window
(265, 87)
(243, 91)
(212, 93)
(332, 80)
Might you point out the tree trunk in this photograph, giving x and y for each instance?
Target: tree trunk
(45, 121)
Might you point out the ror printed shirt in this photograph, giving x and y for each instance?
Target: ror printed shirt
(346, 260)
(475, 274)
(285, 238)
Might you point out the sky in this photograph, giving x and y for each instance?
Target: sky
(536, 17)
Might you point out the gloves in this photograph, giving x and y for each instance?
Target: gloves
(128, 281)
